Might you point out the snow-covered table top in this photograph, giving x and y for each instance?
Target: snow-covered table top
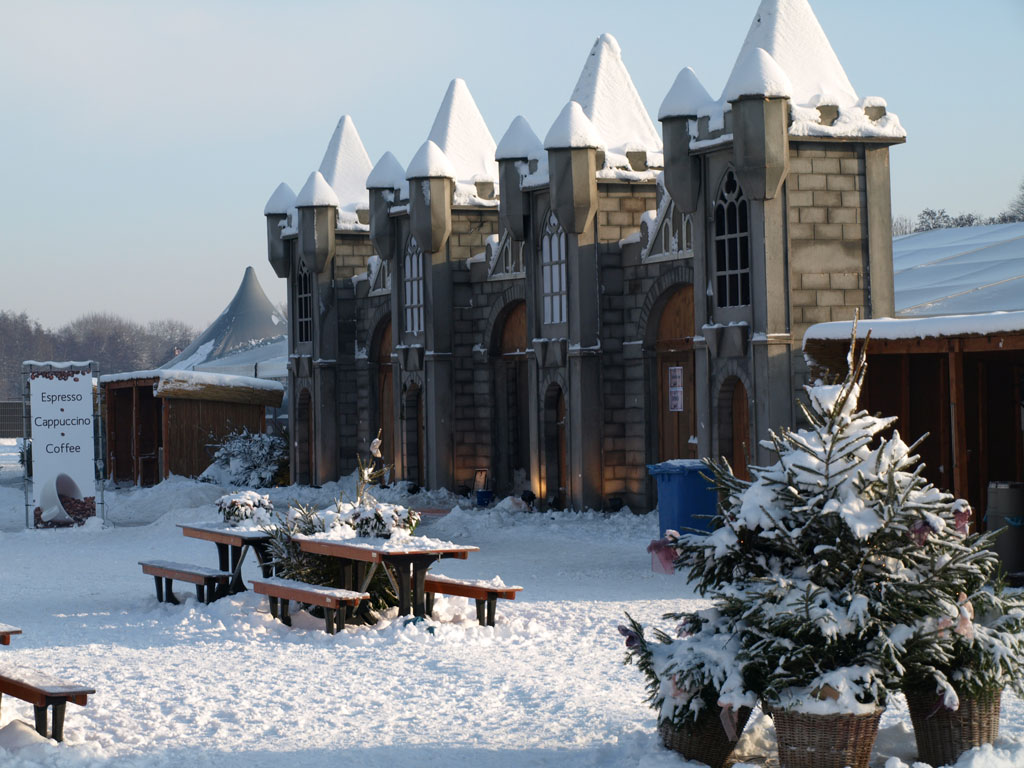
(376, 550)
(222, 533)
(6, 630)
(31, 678)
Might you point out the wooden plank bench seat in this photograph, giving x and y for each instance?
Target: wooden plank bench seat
(42, 691)
(6, 630)
(210, 582)
(333, 600)
(485, 594)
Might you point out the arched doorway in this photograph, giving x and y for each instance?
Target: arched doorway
(385, 394)
(511, 438)
(414, 434)
(304, 443)
(734, 426)
(676, 417)
(556, 469)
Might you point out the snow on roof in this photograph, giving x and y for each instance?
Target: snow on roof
(686, 96)
(430, 161)
(965, 280)
(346, 165)
(279, 202)
(609, 99)
(316, 191)
(518, 142)
(983, 324)
(388, 173)
(461, 133)
(572, 128)
(757, 73)
(960, 270)
(194, 380)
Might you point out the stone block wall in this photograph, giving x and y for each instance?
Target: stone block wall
(827, 233)
(620, 206)
(352, 249)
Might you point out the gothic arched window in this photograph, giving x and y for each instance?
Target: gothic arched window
(303, 304)
(412, 279)
(552, 268)
(732, 245)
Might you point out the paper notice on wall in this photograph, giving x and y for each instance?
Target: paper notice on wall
(675, 388)
(63, 457)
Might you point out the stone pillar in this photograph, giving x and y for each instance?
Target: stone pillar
(682, 169)
(430, 213)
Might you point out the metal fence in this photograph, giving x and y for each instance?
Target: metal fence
(12, 422)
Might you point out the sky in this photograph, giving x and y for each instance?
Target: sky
(139, 142)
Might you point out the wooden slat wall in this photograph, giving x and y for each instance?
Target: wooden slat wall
(195, 426)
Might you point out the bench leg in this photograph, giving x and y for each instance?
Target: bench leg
(57, 734)
(329, 619)
(40, 720)
(285, 618)
(168, 594)
(480, 615)
(340, 623)
(492, 604)
(159, 589)
(428, 599)
(273, 606)
(201, 592)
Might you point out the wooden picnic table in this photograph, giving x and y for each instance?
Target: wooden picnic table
(233, 544)
(6, 630)
(409, 560)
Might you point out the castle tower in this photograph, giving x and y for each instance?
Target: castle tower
(787, 176)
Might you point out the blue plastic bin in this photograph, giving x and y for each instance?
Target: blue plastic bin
(685, 498)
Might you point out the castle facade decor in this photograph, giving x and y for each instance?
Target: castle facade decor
(562, 313)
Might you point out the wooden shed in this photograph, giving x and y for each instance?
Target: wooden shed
(959, 378)
(165, 422)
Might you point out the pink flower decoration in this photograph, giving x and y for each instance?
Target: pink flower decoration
(962, 515)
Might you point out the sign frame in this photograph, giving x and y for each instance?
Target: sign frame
(32, 368)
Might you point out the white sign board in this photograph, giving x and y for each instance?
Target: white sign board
(675, 388)
(63, 455)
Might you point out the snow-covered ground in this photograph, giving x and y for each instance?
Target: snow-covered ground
(225, 685)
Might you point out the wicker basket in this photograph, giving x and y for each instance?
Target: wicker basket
(704, 740)
(825, 741)
(942, 734)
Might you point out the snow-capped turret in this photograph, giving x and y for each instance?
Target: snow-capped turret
(756, 73)
(431, 178)
(383, 183)
(610, 100)
(516, 149)
(461, 133)
(345, 167)
(276, 211)
(572, 143)
(317, 205)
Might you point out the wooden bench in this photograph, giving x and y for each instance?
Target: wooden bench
(210, 582)
(42, 691)
(333, 600)
(486, 595)
(6, 630)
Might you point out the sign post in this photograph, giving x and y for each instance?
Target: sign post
(63, 436)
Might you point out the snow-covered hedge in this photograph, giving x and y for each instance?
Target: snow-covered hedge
(246, 506)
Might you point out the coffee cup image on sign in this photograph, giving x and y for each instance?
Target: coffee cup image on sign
(61, 502)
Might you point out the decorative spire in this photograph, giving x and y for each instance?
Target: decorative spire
(430, 162)
(460, 132)
(571, 129)
(346, 165)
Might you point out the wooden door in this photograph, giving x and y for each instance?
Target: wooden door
(676, 385)
(385, 396)
(740, 432)
(511, 402)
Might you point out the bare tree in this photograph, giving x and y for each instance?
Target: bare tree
(1015, 210)
(902, 225)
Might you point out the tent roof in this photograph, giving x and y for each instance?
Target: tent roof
(248, 320)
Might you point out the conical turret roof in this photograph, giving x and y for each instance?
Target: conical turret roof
(608, 97)
(346, 165)
(790, 33)
(248, 319)
(461, 133)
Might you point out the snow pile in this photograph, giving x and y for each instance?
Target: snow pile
(245, 506)
(686, 96)
(519, 142)
(345, 167)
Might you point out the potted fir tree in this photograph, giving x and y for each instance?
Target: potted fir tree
(815, 555)
(959, 659)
